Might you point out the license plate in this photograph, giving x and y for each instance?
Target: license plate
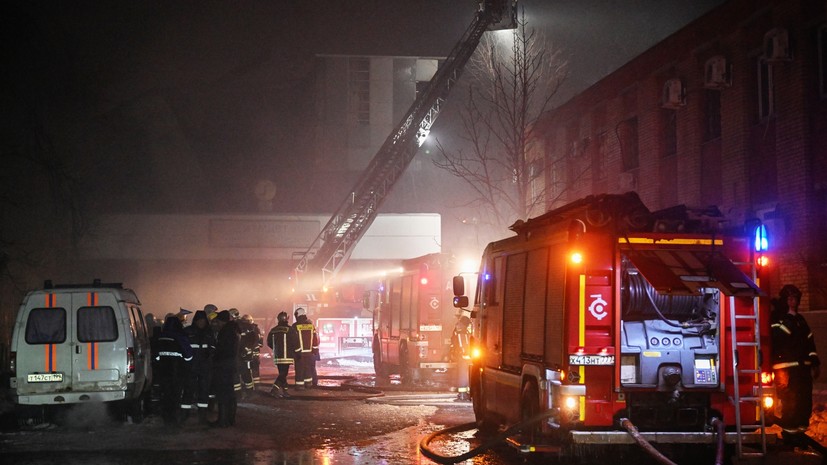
(45, 378)
(591, 359)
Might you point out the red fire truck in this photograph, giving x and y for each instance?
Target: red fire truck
(618, 325)
(414, 317)
(342, 336)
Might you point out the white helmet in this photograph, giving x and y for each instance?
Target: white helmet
(300, 311)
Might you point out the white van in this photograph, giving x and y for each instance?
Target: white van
(79, 344)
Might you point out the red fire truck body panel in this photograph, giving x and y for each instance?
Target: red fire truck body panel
(638, 326)
(414, 322)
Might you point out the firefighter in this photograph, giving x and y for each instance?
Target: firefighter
(460, 354)
(173, 357)
(795, 366)
(255, 340)
(305, 333)
(225, 368)
(248, 343)
(202, 341)
(284, 343)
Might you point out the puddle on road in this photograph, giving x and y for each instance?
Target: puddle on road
(399, 448)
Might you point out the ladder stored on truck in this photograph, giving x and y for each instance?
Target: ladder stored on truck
(336, 241)
(752, 346)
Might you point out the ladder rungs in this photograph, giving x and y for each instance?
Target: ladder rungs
(746, 344)
(749, 399)
(748, 371)
(746, 317)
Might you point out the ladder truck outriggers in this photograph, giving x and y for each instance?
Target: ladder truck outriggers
(327, 254)
(620, 325)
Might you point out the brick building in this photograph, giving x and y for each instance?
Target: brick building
(729, 111)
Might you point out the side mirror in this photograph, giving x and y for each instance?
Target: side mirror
(460, 301)
(459, 286)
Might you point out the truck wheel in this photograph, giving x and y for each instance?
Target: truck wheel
(484, 424)
(529, 407)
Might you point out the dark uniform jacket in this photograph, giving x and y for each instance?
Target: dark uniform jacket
(792, 342)
(202, 341)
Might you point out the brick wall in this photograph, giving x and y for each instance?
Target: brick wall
(771, 168)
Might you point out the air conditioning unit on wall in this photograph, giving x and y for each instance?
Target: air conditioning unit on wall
(717, 73)
(777, 45)
(674, 94)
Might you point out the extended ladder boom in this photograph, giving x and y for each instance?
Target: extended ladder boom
(335, 242)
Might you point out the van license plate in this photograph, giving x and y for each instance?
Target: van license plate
(45, 378)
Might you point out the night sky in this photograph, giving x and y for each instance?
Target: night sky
(173, 106)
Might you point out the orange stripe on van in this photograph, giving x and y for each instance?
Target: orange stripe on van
(92, 352)
(50, 357)
(92, 356)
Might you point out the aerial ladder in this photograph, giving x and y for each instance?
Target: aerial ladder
(337, 239)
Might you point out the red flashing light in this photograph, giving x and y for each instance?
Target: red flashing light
(423, 280)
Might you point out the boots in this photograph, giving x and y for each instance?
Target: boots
(223, 412)
(202, 416)
(231, 408)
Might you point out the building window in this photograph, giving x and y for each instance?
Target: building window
(359, 89)
(712, 114)
(822, 60)
(628, 138)
(765, 90)
(669, 131)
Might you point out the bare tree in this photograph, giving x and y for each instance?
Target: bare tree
(513, 78)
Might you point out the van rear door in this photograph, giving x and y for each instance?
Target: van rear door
(44, 361)
(100, 351)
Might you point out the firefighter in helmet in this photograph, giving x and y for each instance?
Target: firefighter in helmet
(249, 340)
(461, 355)
(308, 341)
(202, 341)
(173, 358)
(795, 366)
(225, 363)
(284, 343)
(255, 340)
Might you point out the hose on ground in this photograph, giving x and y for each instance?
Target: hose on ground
(633, 431)
(643, 443)
(720, 428)
(424, 444)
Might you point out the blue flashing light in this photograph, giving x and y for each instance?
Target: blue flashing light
(487, 276)
(761, 241)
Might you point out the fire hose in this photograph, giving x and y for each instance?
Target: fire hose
(657, 455)
(424, 444)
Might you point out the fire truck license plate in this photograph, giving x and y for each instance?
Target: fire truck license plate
(591, 359)
(45, 378)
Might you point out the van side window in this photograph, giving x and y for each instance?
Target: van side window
(137, 322)
(46, 326)
(97, 324)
